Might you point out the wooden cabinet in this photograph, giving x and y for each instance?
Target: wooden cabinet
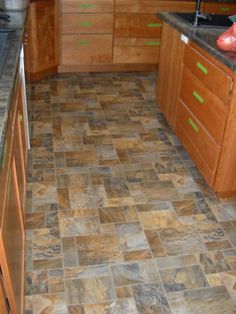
(41, 39)
(219, 8)
(12, 197)
(197, 94)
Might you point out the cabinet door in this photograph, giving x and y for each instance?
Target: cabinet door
(220, 8)
(4, 307)
(42, 39)
(12, 243)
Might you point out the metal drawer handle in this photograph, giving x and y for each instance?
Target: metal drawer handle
(83, 42)
(224, 9)
(154, 25)
(87, 5)
(193, 125)
(198, 97)
(152, 43)
(202, 68)
(85, 24)
(5, 149)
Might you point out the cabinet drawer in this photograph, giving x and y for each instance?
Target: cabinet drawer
(220, 8)
(152, 6)
(87, 6)
(208, 73)
(207, 108)
(137, 25)
(197, 141)
(87, 23)
(137, 42)
(136, 54)
(86, 49)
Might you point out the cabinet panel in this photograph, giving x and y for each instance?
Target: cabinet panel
(87, 23)
(208, 108)
(12, 243)
(137, 25)
(219, 8)
(86, 49)
(138, 54)
(209, 74)
(87, 6)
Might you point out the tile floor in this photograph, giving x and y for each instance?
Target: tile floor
(119, 220)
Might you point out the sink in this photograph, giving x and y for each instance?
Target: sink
(214, 20)
(3, 51)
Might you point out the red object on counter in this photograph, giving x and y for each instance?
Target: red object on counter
(227, 40)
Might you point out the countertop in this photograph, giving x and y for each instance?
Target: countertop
(7, 81)
(205, 38)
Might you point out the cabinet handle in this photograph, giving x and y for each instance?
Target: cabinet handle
(85, 24)
(224, 9)
(154, 25)
(202, 68)
(198, 97)
(5, 149)
(193, 125)
(152, 43)
(87, 5)
(83, 42)
(20, 117)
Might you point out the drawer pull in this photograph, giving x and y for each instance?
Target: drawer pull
(4, 154)
(193, 125)
(20, 117)
(83, 42)
(85, 24)
(202, 68)
(87, 6)
(152, 43)
(154, 25)
(198, 97)
(224, 9)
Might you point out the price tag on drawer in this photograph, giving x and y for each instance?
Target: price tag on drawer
(184, 38)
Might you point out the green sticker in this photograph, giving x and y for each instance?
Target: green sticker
(193, 125)
(20, 117)
(83, 42)
(154, 25)
(4, 154)
(85, 24)
(87, 6)
(224, 9)
(152, 43)
(198, 97)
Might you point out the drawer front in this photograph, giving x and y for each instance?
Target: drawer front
(208, 73)
(202, 142)
(137, 25)
(87, 23)
(220, 8)
(138, 54)
(86, 49)
(137, 42)
(87, 6)
(207, 108)
(152, 6)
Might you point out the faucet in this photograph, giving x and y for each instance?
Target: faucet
(198, 13)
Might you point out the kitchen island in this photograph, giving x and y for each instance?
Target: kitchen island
(197, 93)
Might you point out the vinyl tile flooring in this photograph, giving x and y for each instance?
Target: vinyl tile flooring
(118, 218)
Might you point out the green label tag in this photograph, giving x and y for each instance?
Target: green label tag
(9, 184)
(20, 117)
(198, 97)
(202, 68)
(85, 24)
(193, 125)
(4, 154)
(87, 6)
(224, 9)
(83, 42)
(152, 43)
(154, 25)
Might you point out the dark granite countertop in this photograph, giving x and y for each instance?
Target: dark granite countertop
(205, 38)
(13, 45)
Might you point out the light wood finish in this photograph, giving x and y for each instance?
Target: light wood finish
(219, 8)
(86, 49)
(112, 67)
(137, 25)
(152, 6)
(126, 54)
(168, 82)
(87, 23)
(200, 138)
(3, 299)
(205, 106)
(41, 41)
(214, 78)
(137, 41)
(87, 6)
